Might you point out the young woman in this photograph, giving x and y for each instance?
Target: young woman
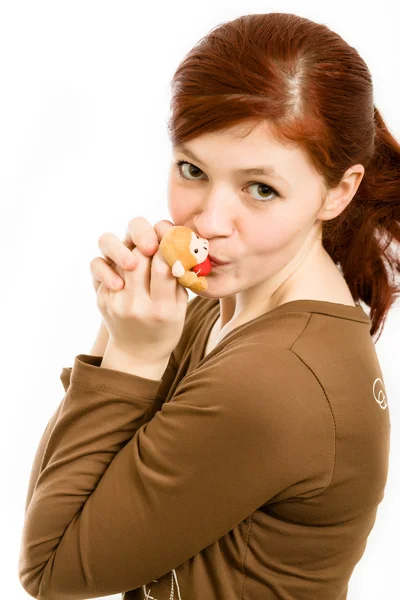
(235, 446)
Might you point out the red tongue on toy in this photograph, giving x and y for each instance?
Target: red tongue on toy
(203, 268)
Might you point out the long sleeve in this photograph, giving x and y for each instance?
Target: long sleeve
(65, 378)
(121, 499)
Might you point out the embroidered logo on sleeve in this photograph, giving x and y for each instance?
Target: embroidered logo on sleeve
(379, 393)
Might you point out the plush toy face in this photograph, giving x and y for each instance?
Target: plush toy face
(199, 248)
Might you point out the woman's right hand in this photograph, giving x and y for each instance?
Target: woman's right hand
(118, 255)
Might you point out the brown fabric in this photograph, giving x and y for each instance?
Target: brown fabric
(253, 473)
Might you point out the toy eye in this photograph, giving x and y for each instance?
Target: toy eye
(196, 250)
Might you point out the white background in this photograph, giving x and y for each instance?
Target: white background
(84, 103)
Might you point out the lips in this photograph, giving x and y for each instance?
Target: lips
(216, 261)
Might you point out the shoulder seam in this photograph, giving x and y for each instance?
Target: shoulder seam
(325, 394)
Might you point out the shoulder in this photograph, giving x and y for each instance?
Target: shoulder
(271, 384)
(269, 403)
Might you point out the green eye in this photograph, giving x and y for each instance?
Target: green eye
(267, 197)
(264, 199)
(183, 162)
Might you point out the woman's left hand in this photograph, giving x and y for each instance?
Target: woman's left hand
(145, 318)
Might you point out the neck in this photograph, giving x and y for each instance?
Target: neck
(313, 276)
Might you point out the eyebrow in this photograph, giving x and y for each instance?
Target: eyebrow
(261, 170)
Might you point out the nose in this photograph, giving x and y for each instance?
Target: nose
(214, 218)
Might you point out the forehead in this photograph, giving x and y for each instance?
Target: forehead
(249, 136)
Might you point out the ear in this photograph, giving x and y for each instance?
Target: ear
(178, 269)
(338, 198)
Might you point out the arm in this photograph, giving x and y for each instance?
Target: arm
(118, 360)
(100, 344)
(98, 349)
(122, 499)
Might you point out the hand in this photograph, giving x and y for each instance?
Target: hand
(109, 271)
(145, 319)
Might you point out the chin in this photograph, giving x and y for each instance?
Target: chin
(213, 295)
(205, 294)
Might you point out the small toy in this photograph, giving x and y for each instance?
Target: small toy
(187, 254)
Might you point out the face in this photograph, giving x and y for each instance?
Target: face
(262, 225)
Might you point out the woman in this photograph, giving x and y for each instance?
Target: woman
(236, 446)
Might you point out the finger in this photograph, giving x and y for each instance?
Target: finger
(161, 228)
(137, 281)
(104, 273)
(116, 251)
(103, 298)
(142, 235)
(162, 283)
(182, 295)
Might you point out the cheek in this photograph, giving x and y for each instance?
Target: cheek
(271, 234)
(177, 206)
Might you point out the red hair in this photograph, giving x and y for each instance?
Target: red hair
(315, 90)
